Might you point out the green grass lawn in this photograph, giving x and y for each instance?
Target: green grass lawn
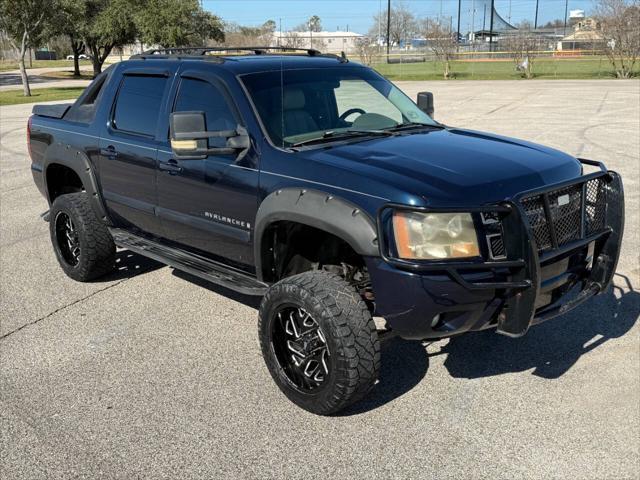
(13, 65)
(501, 70)
(13, 97)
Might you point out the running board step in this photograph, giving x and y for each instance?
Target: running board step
(196, 265)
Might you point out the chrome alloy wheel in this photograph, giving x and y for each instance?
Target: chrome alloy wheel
(67, 238)
(301, 348)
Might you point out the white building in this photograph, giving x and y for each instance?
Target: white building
(329, 42)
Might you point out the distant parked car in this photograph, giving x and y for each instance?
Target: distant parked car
(82, 56)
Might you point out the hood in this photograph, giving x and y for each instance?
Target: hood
(450, 166)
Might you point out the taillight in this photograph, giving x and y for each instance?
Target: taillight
(29, 136)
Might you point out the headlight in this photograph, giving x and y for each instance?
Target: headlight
(434, 236)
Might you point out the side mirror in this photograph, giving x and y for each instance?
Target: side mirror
(425, 103)
(189, 137)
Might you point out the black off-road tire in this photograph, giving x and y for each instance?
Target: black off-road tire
(96, 248)
(353, 347)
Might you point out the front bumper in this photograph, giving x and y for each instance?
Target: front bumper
(528, 286)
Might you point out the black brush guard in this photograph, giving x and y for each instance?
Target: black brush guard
(524, 257)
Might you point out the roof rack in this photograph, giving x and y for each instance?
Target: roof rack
(199, 52)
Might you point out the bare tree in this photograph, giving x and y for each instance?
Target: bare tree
(293, 40)
(441, 41)
(24, 22)
(620, 24)
(403, 24)
(242, 36)
(523, 46)
(366, 49)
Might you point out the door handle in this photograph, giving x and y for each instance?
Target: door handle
(171, 167)
(110, 152)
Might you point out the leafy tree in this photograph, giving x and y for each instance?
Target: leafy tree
(107, 24)
(24, 22)
(68, 20)
(177, 23)
(269, 26)
(315, 24)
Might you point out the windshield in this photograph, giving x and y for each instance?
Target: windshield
(305, 105)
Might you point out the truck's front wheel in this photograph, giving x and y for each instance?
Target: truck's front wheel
(83, 245)
(319, 341)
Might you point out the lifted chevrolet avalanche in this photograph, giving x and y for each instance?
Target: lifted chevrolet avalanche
(317, 184)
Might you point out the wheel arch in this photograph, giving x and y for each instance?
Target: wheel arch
(78, 163)
(317, 209)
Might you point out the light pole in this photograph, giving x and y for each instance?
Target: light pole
(473, 22)
(379, 24)
(388, 28)
(566, 6)
(491, 27)
(484, 16)
(535, 22)
(458, 38)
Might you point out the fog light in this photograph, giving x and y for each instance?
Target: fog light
(435, 320)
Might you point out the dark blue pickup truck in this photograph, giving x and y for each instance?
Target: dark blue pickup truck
(317, 184)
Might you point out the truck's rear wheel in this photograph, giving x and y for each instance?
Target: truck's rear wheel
(319, 341)
(83, 245)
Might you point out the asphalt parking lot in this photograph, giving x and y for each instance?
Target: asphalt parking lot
(150, 373)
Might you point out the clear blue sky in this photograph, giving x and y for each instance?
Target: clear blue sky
(358, 14)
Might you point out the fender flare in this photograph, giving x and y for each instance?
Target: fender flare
(316, 209)
(79, 162)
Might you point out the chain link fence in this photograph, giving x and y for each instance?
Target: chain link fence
(424, 65)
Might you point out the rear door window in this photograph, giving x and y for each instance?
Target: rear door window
(138, 104)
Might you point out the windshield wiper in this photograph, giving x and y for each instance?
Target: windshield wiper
(410, 125)
(331, 135)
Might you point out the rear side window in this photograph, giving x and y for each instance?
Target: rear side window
(84, 109)
(138, 104)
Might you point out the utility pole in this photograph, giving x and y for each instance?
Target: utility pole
(388, 28)
(491, 27)
(566, 6)
(458, 37)
(535, 22)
